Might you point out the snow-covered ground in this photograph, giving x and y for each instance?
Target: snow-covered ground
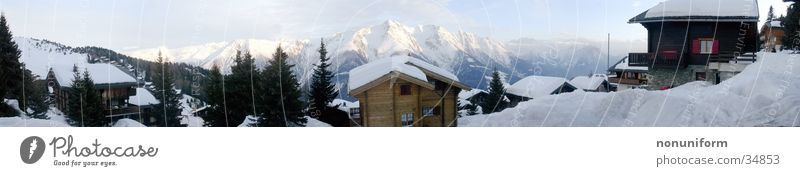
(127, 123)
(188, 112)
(766, 93)
(56, 118)
(249, 121)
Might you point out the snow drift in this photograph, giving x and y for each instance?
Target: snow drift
(766, 93)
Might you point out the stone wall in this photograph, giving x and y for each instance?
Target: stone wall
(661, 77)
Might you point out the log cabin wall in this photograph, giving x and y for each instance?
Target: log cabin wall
(384, 105)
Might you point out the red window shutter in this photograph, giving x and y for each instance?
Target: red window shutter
(715, 47)
(696, 46)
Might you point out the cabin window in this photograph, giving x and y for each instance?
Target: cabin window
(430, 111)
(706, 46)
(405, 89)
(407, 119)
(355, 111)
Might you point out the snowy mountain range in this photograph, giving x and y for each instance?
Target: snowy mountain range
(469, 56)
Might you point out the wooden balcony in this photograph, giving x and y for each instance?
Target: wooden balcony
(664, 60)
(733, 58)
(639, 59)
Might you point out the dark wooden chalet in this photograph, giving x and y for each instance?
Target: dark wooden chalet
(691, 40)
(114, 86)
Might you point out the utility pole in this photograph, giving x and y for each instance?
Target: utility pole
(608, 54)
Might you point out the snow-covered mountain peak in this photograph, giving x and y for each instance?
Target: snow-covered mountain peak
(466, 54)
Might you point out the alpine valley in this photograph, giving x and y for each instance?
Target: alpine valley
(472, 58)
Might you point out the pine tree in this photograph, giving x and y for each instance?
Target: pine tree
(93, 109)
(10, 72)
(770, 14)
(322, 90)
(75, 99)
(215, 113)
(240, 89)
(168, 110)
(33, 96)
(790, 24)
(495, 101)
(281, 91)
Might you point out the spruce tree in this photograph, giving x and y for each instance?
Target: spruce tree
(10, 72)
(215, 113)
(33, 96)
(240, 88)
(92, 106)
(495, 101)
(282, 92)
(790, 24)
(322, 87)
(770, 14)
(75, 99)
(169, 109)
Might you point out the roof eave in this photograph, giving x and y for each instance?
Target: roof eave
(443, 78)
(692, 19)
(386, 77)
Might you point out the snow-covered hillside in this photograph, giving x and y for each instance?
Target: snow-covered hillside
(469, 56)
(766, 93)
(40, 55)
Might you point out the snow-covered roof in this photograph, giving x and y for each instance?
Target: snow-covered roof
(700, 10)
(100, 74)
(536, 86)
(470, 93)
(623, 65)
(397, 65)
(143, 97)
(431, 68)
(589, 83)
(344, 105)
(126, 122)
(774, 24)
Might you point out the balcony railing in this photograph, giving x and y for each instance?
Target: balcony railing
(639, 59)
(665, 60)
(735, 58)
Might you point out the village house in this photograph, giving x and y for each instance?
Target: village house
(114, 86)
(471, 100)
(623, 76)
(689, 40)
(532, 87)
(142, 104)
(403, 91)
(771, 36)
(595, 83)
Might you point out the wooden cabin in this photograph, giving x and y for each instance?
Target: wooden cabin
(403, 91)
(771, 36)
(114, 86)
(470, 101)
(533, 87)
(688, 40)
(592, 83)
(623, 76)
(142, 104)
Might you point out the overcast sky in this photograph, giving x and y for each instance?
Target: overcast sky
(135, 24)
